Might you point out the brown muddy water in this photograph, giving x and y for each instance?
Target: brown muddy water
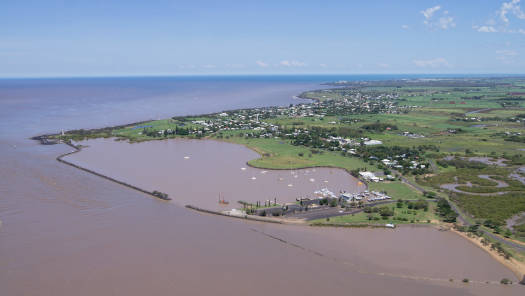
(196, 172)
(90, 236)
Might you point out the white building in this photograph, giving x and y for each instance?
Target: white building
(369, 176)
(373, 142)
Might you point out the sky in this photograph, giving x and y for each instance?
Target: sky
(52, 38)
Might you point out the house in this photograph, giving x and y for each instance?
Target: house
(369, 176)
(372, 142)
(349, 197)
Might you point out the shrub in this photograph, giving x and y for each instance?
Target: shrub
(429, 194)
(445, 211)
(379, 127)
(386, 211)
(495, 209)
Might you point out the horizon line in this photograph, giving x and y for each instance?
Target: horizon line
(251, 74)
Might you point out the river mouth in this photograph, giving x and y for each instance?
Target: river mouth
(200, 172)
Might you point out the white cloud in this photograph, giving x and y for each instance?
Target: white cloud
(383, 65)
(429, 12)
(446, 22)
(261, 64)
(292, 63)
(432, 20)
(512, 7)
(323, 65)
(485, 29)
(432, 63)
(507, 52)
(405, 27)
(209, 66)
(502, 22)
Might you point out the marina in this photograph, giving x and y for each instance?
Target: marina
(213, 168)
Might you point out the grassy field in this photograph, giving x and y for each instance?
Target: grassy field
(433, 124)
(494, 208)
(396, 190)
(280, 154)
(135, 133)
(401, 215)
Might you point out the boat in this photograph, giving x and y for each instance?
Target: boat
(324, 193)
(222, 201)
(160, 195)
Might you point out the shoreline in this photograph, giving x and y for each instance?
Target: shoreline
(299, 168)
(43, 137)
(247, 217)
(517, 267)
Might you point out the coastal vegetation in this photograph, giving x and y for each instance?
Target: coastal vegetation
(445, 211)
(401, 212)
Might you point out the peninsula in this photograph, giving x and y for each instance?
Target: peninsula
(430, 151)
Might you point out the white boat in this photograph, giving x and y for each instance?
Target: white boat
(325, 193)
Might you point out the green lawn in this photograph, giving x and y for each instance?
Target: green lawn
(400, 215)
(280, 154)
(396, 190)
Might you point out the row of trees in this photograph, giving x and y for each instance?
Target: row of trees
(445, 211)
(182, 131)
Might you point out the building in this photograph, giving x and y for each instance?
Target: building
(349, 197)
(369, 176)
(372, 142)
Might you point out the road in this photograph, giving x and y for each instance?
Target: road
(464, 221)
(477, 111)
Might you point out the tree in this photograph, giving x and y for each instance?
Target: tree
(429, 194)
(445, 211)
(473, 228)
(497, 229)
(386, 211)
